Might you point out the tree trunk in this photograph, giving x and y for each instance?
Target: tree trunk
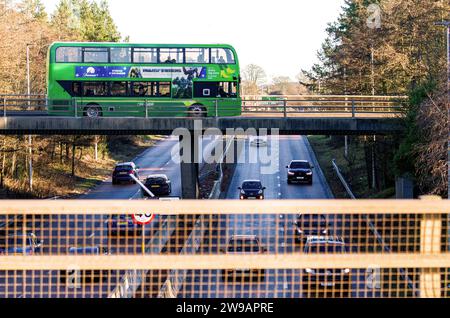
(60, 153)
(13, 163)
(73, 158)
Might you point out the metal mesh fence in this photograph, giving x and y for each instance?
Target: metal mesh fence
(209, 249)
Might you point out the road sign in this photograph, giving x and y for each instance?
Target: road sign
(143, 219)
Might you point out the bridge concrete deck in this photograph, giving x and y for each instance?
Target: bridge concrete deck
(42, 125)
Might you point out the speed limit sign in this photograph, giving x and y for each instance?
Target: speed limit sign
(143, 219)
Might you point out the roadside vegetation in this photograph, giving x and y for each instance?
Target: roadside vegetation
(65, 169)
(355, 167)
(393, 47)
(62, 165)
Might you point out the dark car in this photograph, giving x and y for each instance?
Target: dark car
(123, 224)
(122, 173)
(72, 276)
(252, 189)
(244, 245)
(336, 281)
(310, 224)
(300, 171)
(158, 184)
(14, 244)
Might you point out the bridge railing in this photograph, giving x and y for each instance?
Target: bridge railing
(252, 106)
(226, 249)
(22, 103)
(291, 106)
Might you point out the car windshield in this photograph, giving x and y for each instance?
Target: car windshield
(243, 245)
(120, 217)
(252, 185)
(326, 248)
(84, 250)
(124, 168)
(155, 180)
(311, 220)
(300, 165)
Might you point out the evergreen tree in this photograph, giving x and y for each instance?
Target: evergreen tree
(34, 10)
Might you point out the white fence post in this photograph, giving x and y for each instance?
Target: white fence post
(430, 243)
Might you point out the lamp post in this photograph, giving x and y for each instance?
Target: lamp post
(30, 149)
(447, 25)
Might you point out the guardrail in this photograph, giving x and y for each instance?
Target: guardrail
(288, 106)
(414, 229)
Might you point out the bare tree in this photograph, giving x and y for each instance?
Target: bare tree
(254, 77)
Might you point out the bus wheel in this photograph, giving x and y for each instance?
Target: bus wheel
(197, 110)
(92, 111)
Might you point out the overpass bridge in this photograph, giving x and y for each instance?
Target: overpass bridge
(298, 115)
(42, 125)
(281, 115)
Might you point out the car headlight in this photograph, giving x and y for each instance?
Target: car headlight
(291, 173)
(309, 173)
(260, 192)
(310, 271)
(242, 192)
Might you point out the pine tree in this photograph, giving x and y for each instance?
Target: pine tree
(34, 10)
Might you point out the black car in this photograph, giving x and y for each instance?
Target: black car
(320, 281)
(158, 184)
(244, 245)
(300, 171)
(310, 224)
(252, 189)
(122, 173)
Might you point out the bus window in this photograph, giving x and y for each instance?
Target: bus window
(91, 89)
(68, 55)
(119, 88)
(200, 55)
(171, 56)
(120, 55)
(143, 89)
(222, 56)
(95, 55)
(76, 88)
(148, 55)
(164, 89)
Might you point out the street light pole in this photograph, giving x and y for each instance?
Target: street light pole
(447, 25)
(30, 149)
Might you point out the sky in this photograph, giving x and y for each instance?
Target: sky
(281, 36)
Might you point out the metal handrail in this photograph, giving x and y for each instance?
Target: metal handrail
(283, 107)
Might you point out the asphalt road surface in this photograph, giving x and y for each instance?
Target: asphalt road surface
(276, 232)
(60, 232)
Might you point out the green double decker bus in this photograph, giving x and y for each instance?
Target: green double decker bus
(142, 80)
